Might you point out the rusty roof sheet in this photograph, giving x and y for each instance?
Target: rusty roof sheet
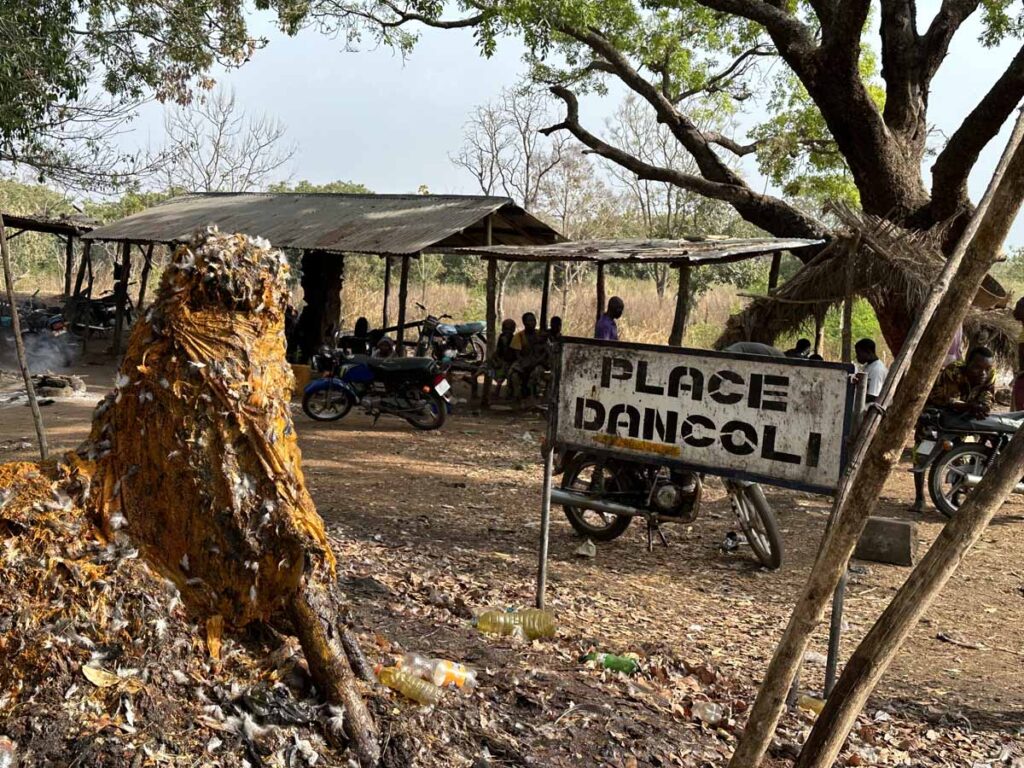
(707, 250)
(339, 223)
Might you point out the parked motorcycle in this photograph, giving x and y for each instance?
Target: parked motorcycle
(601, 496)
(412, 388)
(461, 343)
(954, 451)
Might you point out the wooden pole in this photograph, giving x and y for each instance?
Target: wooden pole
(69, 264)
(877, 447)
(600, 291)
(341, 295)
(403, 294)
(876, 652)
(121, 297)
(773, 272)
(147, 264)
(19, 344)
(387, 290)
(545, 295)
(819, 331)
(675, 338)
(86, 250)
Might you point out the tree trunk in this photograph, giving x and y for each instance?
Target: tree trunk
(876, 452)
(322, 276)
(876, 652)
(682, 312)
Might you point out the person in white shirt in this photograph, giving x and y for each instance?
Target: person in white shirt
(871, 367)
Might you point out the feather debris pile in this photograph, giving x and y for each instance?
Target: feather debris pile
(191, 463)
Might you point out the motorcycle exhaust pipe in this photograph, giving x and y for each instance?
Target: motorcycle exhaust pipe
(972, 481)
(581, 501)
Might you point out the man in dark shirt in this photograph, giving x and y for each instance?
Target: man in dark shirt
(606, 328)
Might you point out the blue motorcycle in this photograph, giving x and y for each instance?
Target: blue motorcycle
(412, 388)
(462, 344)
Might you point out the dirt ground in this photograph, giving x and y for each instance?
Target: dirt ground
(432, 528)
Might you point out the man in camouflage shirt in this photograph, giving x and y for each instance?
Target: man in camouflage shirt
(967, 387)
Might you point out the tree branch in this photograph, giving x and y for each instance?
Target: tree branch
(719, 82)
(714, 137)
(765, 211)
(954, 163)
(791, 36)
(935, 42)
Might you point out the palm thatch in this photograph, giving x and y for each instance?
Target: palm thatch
(881, 262)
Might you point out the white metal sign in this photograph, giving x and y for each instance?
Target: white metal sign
(778, 420)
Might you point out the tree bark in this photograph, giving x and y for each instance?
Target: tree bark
(878, 445)
(876, 652)
(321, 288)
(19, 344)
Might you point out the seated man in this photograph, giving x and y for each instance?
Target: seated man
(967, 388)
(530, 346)
(500, 364)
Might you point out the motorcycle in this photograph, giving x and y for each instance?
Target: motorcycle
(461, 343)
(954, 451)
(412, 388)
(601, 497)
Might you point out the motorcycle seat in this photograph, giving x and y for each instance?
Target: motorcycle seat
(401, 364)
(1001, 422)
(447, 329)
(468, 329)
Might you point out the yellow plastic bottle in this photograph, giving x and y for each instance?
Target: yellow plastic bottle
(441, 672)
(533, 623)
(409, 685)
(810, 703)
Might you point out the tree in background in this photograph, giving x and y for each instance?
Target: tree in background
(73, 71)
(213, 145)
(506, 153)
(668, 51)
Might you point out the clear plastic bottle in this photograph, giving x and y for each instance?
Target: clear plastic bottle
(532, 623)
(441, 672)
(708, 712)
(409, 685)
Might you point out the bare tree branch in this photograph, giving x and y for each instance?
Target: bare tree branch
(955, 161)
(935, 41)
(755, 207)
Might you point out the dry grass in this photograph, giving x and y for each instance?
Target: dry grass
(648, 318)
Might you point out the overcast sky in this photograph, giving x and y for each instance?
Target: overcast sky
(370, 117)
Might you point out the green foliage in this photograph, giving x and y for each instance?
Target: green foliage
(129, 203)
(36, 258)
(331, 187)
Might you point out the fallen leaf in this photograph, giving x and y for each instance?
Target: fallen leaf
(99, 677)
(214, 630)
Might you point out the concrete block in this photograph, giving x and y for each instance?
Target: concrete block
(889, 541)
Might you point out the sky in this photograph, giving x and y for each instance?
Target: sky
(371, 117)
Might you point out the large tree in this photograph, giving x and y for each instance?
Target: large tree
(669, 51)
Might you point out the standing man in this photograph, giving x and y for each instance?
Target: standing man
(872, 368)
(606, 328)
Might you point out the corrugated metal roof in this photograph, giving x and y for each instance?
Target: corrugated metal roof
(380, 224)
(698, 251)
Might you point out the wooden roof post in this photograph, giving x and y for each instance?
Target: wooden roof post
(86, 250)
(545, 296)
(147, 264)
(69, 264)
(403, 293)
(121, 297)
(491, 314)
(682, 312)
(387, 290)
(600, 291)
(773, 272)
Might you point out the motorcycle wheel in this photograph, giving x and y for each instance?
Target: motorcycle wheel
(479, 350)
(945, 480)
(758, 523)
(328, 404)
(600, 526)
(433, 416)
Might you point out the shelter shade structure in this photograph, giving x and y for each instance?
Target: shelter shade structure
(684, 255)
(71, 228)
(332, 225)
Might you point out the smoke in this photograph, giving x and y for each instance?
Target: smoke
(46, 352)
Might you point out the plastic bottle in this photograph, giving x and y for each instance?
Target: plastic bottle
(409, 685)
(532, 623)
(708, 712)
(810, 703)
(8, 753)
(611, 661)
(441, 672)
